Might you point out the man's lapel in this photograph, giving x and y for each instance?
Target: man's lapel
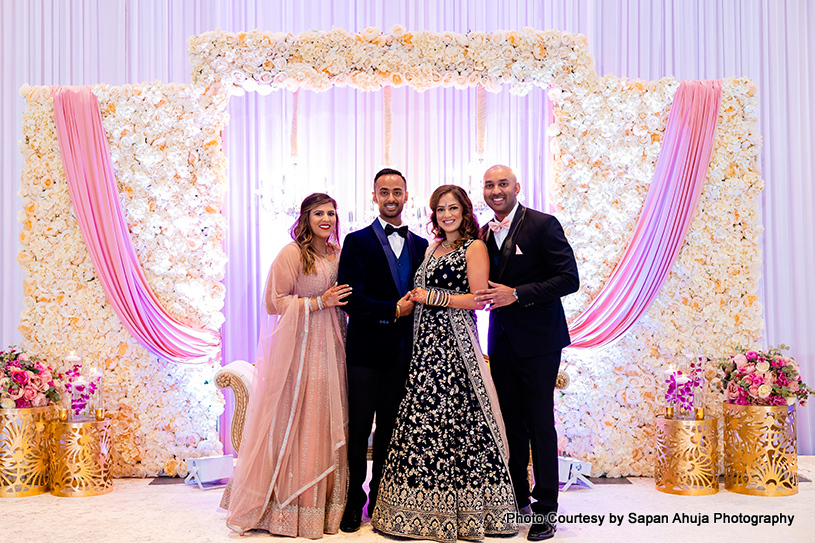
(509, 244)
(386, 247)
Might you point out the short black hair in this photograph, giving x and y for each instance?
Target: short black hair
(389, 171)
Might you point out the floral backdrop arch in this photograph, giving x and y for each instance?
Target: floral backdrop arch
(605, 139)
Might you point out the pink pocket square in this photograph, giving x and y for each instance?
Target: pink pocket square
(518, 250)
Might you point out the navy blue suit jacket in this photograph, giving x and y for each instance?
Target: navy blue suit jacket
(370, 269)
(538, 261)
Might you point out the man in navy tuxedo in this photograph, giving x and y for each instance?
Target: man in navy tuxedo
(379, 263)
(532, 266)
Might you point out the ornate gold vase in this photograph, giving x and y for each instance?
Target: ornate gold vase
(80, 458)
(760, 450)
(686, 456)
(24, 451)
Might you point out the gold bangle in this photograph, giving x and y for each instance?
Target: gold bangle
(398, 310)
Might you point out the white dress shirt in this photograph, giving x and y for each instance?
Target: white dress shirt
(397, 242)
(502, 234)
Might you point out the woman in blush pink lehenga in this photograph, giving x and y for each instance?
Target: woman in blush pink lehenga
(292, 472)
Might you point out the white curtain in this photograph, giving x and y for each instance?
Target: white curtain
(78, 42)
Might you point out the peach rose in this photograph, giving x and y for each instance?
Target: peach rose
(37, 382)
(15, 393)
(171, 467)
(732, 391)
(29, 392)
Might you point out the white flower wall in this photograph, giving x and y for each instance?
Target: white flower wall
(165, 142)
(369, 60)
(605, 139)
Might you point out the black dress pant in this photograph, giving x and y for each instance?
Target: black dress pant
(525, 387)
(372, 391)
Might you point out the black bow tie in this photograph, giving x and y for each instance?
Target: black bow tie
(402, 230)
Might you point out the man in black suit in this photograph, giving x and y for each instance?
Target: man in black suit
(531, 267)
(379, 263)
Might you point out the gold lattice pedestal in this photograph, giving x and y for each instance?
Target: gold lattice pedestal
(686, 456)
(760, 450)
(80, 458)
(24, 451)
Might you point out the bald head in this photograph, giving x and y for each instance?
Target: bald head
(499, 171)
(501, 190)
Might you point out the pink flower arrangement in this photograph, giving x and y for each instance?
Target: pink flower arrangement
(762, 378)
(25, 381)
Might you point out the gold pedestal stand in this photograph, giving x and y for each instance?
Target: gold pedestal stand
(686, 454)
(80, 458)
(760, 450)
(24, 451)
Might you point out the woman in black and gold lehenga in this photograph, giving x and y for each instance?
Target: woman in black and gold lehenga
(446, 475)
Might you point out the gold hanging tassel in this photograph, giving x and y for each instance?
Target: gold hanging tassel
(481, 119)
(295, 109)
(387, 123)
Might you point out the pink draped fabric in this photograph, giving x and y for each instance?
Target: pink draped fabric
(93, 191)
(660, 231)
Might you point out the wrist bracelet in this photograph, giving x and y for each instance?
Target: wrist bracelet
(437, 297)
(398, 310)
(320, 302)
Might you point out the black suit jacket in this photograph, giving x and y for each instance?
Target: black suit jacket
(537, 260)
(364, 265)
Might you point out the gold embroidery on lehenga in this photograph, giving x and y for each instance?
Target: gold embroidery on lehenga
(446, 476)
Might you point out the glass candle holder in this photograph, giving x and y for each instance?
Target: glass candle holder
(99, 404)
(79, 396)
(699, 400)
(682, 403)
(64, 405)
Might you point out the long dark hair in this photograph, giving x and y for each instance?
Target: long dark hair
(469, 224)
(303, 236)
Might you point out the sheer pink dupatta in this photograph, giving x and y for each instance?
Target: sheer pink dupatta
(265, 466)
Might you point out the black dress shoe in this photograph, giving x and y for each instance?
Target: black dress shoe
(540, 532)
(351, 520)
